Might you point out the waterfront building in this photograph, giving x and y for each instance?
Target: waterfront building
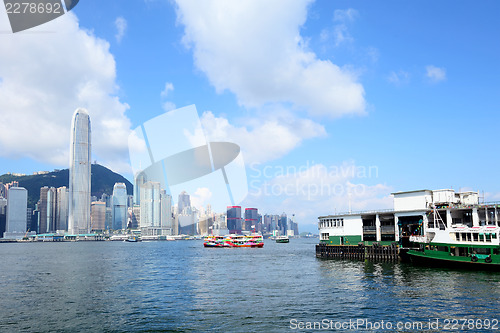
(47, 205)
(2, 190)
(135, 217)
(3, 213)
(234, 222)
(98, 216)
(79, 173)
(150, 208)
(166, 220)
(251, 219)
(119, 207)
(411, 216)
(62, 206)
(188, 221)
(17, 204)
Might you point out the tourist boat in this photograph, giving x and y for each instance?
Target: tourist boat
(282, 239)
(234, 241)
(459, 245)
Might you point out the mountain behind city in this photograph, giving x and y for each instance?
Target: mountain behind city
(102, 181)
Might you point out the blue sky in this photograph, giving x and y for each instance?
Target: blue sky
(308, 89)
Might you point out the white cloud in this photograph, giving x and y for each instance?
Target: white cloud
(345, 15)
(399, 78)
(264, 139)
(168, 88)
(45, 77)
(435, 74)
(121, 27)
(254, 49)
(201, 197)
(168, 105)
(315, 189)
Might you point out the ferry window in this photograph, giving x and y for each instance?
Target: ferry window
(342, 222)
(475, 237)
(494, 236)
(487, 237)
(495, 251)
(480, 250)
(442, 248)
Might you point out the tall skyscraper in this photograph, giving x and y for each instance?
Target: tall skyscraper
(150, 208)
(62, 208)
(79, 173)
(98, 215)
(234, 219)
(119, 208)
(251, 218)
(166, 213)
(184, 201)
(17, 203)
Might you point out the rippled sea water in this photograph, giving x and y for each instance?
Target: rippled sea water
(181, 286)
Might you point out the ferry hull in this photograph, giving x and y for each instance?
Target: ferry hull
(425, 260)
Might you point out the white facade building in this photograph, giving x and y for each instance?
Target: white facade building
(411, 216)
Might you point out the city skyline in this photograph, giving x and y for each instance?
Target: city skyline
(389, 92)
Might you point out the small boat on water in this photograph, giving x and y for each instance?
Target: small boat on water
(234, 241)
(282, 239)
(458, 245)
(133, 239)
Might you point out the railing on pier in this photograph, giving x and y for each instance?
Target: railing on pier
(360, 252)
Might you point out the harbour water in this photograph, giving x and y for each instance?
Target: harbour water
(181, 286)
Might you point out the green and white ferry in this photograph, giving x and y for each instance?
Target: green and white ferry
(440, 227)
(458, 245)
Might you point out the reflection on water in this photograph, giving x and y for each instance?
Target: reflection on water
(179, 286)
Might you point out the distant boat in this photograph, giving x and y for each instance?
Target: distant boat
(282, 239)
(133, 239)
(234, 241)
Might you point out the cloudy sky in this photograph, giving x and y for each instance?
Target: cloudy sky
(334, 103)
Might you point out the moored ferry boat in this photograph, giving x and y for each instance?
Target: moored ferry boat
(234, 241)
(458, 245)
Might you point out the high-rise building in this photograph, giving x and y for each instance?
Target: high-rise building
(184, 201)
(135, 216)
(17, 203)
(2, 191)
(234, 219)
(140, 179)
(251, 218)
(166, 213)
(119, 208)
(150, 208)
(3, 212)
(98, 215)
(47, 207)
(62, 208)
(79, 173)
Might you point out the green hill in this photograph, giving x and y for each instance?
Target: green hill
(102, 179)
